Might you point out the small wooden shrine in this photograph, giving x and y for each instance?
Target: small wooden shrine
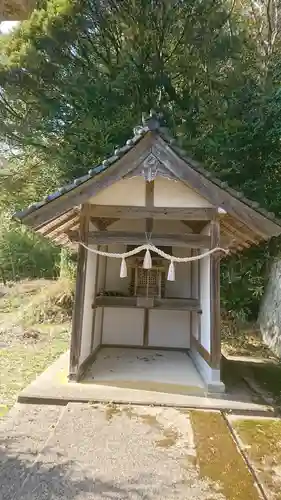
(150, 226)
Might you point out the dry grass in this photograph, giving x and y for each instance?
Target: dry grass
(34, 331)
(219, 459)
(51, 304)
(263, 447)
(240, 339)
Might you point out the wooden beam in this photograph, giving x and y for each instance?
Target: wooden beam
(233, 241)
(57, 221)
(239, 232)
(78, 307)
(102, 224)
(215, 295)
(132, 238)
(132, 212)
(146, 327)
(149, 194)
(64, 228)
(200, 349)
(81, 194)
(219, 197)
(196, 226)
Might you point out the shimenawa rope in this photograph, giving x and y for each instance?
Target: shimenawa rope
(147, 262)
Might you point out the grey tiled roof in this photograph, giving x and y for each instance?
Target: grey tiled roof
(139, 132)
(150, 123)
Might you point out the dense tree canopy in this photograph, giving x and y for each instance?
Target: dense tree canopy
(76, 76)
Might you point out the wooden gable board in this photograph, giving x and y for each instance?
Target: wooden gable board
(83, 192)
(219, 197)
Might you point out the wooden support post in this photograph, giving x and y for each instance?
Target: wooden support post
(215, 296)
(98, 271)
(192, 278)
(78, 307)
(195, 327)
(149, 200)
(99, 285)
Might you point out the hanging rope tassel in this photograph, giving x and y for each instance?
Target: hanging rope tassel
(171, 272)
(123, 269)
(147, 262)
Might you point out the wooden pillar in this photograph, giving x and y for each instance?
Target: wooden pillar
(96, 281)
(195, 318)
(149, 203)
(215, 296)
(99, 286)
(78, 307)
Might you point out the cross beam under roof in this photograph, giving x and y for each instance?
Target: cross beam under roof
(138, 238)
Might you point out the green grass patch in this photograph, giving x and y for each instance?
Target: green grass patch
(21, 363)
(219, 459)
(263, 447)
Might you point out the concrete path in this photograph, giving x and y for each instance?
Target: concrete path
(83, 452)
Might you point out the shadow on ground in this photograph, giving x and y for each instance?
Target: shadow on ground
(27, 479)
(264, 375)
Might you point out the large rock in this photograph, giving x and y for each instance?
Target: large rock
(270, 311)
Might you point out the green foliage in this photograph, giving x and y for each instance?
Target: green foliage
(77, 75)
(67, 265)
(243, 279)
(24, 254)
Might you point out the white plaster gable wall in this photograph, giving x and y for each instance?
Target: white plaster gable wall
(87, 321)
(170, 193)
(167, 193)
(124, 192)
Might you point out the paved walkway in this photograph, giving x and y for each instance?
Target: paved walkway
(82, 452)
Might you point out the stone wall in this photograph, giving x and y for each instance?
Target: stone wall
(270, 312)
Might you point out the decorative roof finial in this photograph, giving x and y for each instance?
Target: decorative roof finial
(152, 122)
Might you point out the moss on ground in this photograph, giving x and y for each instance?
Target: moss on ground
(219, 459)
(262, 440)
